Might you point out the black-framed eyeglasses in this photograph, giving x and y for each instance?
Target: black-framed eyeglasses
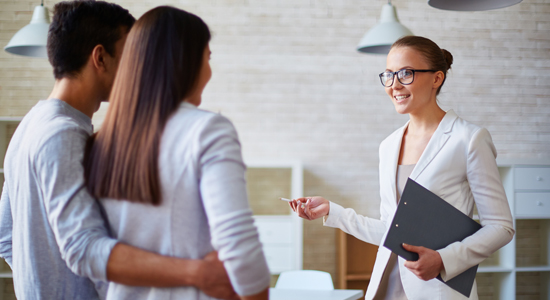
(405, 76)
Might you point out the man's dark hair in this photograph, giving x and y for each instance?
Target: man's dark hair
(77, 27)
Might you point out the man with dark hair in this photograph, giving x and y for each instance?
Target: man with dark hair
(78, 27)
(45, 236)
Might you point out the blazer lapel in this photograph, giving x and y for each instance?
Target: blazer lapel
(438, 140)
(393, 159)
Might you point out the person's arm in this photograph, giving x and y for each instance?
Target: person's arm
(493, 209)
(364, 228)
(367, 229)
(6, 226)
(133, 266)
(82, 237)
(223, 192)
(310, 208)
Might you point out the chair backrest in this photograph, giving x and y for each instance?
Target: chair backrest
(305, 280)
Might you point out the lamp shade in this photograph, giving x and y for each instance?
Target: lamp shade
(379, 39)
(31, 39)
(471, 5)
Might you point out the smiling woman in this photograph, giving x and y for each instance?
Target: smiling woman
(449, 156)
(416, 58)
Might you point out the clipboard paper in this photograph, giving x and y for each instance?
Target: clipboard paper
(424, 219)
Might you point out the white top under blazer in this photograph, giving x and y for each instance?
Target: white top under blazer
(204, 207)
(459, 166)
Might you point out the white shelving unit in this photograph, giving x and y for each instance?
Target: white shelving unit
(281, 234)
(521, 269)
(7, 127)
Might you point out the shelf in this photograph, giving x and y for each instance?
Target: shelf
(495, 269)
(532, 244)
(11, 119)
(532, 285)
(494, 286)
(531, 217)
(521, 269)
(355, 260)
(511, 162)
(533, 269)
(6, 275)
(7, 128)
(358, 277)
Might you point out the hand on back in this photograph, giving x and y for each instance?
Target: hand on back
(214, 280)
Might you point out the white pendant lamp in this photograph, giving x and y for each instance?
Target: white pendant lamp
(31, 39)
(379, 39)
(471, 5)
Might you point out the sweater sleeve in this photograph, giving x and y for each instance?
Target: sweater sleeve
(223, 191)
(493, 208)
(73, 214)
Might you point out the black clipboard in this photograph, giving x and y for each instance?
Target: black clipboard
(424, 219)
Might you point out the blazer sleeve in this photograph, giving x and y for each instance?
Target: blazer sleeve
(223, 191)
(364, 228)
(492, 205)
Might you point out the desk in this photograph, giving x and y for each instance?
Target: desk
(282, 294)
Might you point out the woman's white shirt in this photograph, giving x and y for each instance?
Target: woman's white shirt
(391, 287)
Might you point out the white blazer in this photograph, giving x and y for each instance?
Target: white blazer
(204, 207)
(458, 165)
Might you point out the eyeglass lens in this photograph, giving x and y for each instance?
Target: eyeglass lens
(404, 76)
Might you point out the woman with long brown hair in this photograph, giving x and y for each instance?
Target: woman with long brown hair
(171, 176)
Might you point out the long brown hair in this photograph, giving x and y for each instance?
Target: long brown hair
(159, 68)
(437, 58)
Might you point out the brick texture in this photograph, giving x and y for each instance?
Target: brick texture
(287, 74)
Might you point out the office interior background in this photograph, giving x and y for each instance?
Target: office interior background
(287, 73)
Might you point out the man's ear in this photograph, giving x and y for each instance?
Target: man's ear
(98, 58)
(438, 79)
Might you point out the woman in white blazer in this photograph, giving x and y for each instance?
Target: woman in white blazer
(449, 156)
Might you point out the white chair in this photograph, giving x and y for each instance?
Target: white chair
(305, 280)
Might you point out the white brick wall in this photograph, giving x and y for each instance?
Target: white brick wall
(287, 73)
